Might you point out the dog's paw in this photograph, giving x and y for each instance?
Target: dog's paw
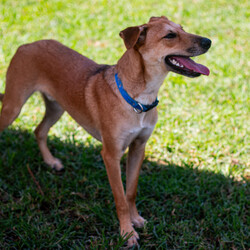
(132, 241)
(132, 236)
(138, 221)
(56, 164)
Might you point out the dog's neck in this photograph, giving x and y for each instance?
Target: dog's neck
(141, 80)
(131, 71)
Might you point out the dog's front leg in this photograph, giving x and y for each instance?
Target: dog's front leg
(112, 156)
(134, 162)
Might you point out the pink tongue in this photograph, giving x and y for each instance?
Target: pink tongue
(192, 65)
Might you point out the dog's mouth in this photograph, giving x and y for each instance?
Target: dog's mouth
(186, 66)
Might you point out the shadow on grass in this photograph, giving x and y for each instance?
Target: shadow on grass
(185, 208)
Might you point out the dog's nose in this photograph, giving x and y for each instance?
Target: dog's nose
(205, 43)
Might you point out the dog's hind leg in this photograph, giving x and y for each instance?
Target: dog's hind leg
(13, 100)
(20, 84)
(52, 115)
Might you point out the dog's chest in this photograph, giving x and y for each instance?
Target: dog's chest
(141, 127)
(143, 121)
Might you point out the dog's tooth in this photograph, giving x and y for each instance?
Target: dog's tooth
(174, 62)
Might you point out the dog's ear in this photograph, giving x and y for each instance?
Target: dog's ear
(154, 18)
(134, 37)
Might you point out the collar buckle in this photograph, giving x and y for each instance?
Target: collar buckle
(138, 111)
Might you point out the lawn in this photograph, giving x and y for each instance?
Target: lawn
(194, 183)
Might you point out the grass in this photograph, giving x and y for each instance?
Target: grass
(194, 183)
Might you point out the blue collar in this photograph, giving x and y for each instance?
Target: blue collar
(138, 107)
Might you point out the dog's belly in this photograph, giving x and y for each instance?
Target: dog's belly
(95, 133)
(87, 124)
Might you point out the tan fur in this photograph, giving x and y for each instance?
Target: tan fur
(88, 92)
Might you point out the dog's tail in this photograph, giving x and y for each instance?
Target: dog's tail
(1, 97)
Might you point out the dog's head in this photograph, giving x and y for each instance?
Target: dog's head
(164, 43)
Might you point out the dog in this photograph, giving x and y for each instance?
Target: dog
(115, 104)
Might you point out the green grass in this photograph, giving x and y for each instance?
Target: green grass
(194, 183)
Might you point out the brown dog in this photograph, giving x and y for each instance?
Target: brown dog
(110, 102)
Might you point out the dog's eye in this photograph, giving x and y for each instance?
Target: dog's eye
(170, 35)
